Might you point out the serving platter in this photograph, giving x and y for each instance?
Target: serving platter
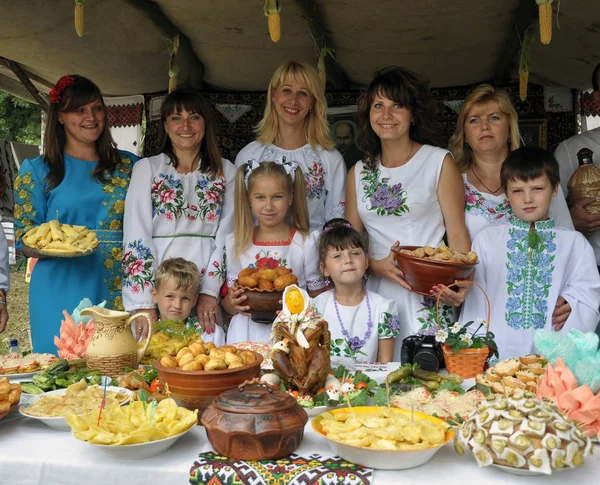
(382, 459)
(137, 451)
(59, 422)
(21, 376)
(57, 253)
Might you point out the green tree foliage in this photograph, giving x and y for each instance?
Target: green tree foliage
(20, 120)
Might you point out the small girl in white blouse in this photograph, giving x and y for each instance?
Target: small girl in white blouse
(363, 324)
(273, 194)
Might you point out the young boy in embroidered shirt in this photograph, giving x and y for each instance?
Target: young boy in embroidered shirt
(530, 266)
(175, 293)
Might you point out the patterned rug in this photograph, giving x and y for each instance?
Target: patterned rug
(213, 469)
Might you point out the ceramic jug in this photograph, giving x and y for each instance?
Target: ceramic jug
(113, 346)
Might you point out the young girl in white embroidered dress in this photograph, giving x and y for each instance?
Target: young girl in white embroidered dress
(520, 265)
(362, 323)
(273, 193)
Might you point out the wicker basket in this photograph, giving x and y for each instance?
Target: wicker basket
(467, 363)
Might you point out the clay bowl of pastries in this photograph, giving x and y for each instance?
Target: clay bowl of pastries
(10, 394)
(264, 289)
(200, 372)
(425, 267)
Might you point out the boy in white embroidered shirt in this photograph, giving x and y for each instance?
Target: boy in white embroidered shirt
(175, 293)
(537, 275)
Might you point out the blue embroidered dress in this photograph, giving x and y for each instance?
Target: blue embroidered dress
(524, 282)
(59, 284)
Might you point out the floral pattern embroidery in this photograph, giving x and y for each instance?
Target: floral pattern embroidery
(380, 196)
(220, 270)
(426, 316)
(265, 260)
(315, 176)
(137, 267)
(339, 348)
(110, 230)
(529, 275)
(210, 197)
(389, 326)
(23, 208)
(494, 212)
(167, 198)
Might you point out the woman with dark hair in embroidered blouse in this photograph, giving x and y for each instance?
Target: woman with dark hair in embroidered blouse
(405, 189)
(81, 179)
(179, 204)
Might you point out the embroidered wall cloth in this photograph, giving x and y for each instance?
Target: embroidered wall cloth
(233, 136)
(125, 121)
(214, 469)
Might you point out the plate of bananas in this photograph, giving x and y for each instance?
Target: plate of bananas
(60, 240)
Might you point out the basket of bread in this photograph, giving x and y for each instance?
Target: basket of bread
(425, 267)
(263, 288)
(200, 372)
(60, 240)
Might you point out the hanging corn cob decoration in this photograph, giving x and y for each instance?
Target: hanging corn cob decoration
(545, 12)
(323, 53)
(525, 65)
(272, 9)
(173, 67)
(79, 17)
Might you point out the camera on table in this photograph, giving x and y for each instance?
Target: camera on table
(422, 350)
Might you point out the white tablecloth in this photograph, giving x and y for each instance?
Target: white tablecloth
(33, 454)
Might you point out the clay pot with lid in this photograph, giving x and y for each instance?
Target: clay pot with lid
(254, 422)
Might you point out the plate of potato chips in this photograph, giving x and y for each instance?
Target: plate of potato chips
(60, 240)
(383, 438)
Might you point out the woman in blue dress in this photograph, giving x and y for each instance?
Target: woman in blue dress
(81, 179)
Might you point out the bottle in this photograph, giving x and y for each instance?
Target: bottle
(585, 181)
(14, 350)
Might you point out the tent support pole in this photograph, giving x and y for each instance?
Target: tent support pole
(524, 16)
(336, 75)
(169, 30)
(16, 69)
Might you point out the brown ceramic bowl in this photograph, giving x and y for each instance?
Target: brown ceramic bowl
(264, 304)
(197, 389)
(423, 274)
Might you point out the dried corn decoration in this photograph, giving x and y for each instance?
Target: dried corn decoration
(272, 9)
(79, 17)
(323, 53)
(545, 12)
(173, 67)
(525, 65)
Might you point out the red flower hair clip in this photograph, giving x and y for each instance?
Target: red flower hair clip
(62, 84)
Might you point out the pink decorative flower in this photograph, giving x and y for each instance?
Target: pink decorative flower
(219, 186)
(157, 186)
(211, 217)
(127, 255)
(470, 198)
(168, 195)
(215, 264)
(169, 216)
(135, 267)
(136, 288)
(146, 284)
(212, 196)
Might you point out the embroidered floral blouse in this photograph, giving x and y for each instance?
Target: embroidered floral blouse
(169, 214)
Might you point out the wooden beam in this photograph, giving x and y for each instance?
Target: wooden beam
(524, 17)
(16, 69)
(186, 52)
(336, 76)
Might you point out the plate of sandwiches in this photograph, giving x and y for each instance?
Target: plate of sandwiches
(20, 367)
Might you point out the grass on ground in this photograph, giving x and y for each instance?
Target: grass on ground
(18, 311)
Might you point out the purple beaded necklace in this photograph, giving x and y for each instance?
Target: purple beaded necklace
(355, 343)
